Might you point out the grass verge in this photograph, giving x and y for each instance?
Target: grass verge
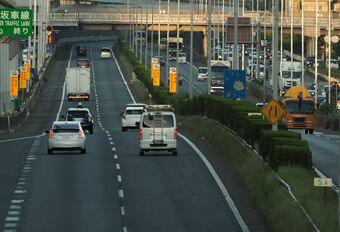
(320, 203)
(279, 210)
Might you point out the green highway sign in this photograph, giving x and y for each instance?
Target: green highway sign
(16, 22)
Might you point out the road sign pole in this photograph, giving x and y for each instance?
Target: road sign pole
(209, 47)
(235, 47)
(275, 50)
(191, 48)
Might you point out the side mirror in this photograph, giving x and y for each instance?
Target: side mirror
(47, 131)
(62, 116)
(137, 124)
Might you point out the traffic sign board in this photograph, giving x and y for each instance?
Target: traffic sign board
(23, 80)
(273, 111)
(323, 182)
(16, 22)
(234, 84)
(14, 88)
(156, 75)
(173, 80)
(27, 66)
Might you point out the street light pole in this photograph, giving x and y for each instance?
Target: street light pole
(146, 36)
(191, 48)
(152, 32)
(177, 45)
(275, 49)
(291, 42)
(316, 50)
(140, 34)
(329, 50)
(167, 42)
(235, 49)
(303, 42)
(159, 29)
(209, 46)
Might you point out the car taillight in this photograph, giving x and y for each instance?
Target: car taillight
(140, 135)
(50, 134)
(175, 134)
(81, 134)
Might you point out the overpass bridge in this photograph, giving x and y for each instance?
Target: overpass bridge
(118, 20)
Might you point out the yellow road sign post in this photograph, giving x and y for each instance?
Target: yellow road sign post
(273, 111)
(156, 75)
(23, 81)
(153, 62)
(14, 87)
(173, 80)
(27, 66)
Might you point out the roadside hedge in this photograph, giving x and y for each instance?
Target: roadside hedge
(233, 114)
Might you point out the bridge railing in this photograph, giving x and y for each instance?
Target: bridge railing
(198, 19)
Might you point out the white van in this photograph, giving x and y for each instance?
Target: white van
(182, 57)
(131, 115)
(158, 129)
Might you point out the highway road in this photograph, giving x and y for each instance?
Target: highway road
(110, 188)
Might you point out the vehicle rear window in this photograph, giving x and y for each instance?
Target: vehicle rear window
(158, 121)
(65, 128)
(77, 114)
(134, 111)
(105, 50)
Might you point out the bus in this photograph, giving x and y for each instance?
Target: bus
(172, 44)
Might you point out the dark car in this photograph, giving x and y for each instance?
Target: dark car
(81, 51)
(161, 60)
(83, 63)
(180, 78)
(81, 115)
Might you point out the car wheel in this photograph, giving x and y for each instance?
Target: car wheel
(124, 129)
(49, 151)
(174, 152)
(83, 151)
(306, 131)
(311, 131)
(91, 130)
(141, 152)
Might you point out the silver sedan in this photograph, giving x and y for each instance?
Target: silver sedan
(66, 135)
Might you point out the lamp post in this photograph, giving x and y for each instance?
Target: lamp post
(209, 46)
(167, 41)
(291, 41)
(275, 49)
(191, 48)
(316, 50)
(303, 42)
(146, 36)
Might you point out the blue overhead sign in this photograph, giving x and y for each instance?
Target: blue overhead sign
(234, 84)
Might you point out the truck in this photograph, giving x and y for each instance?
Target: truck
(217, 75)
(287, 67)
(78, 83)
(299, 109)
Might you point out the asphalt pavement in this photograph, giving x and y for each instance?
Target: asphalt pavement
(110, 188)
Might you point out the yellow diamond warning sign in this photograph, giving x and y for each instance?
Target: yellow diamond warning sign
(273, 111)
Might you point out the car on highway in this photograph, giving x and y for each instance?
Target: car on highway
(182, 57)
(131, 115)
(158, 129)
(105, 53)
(180, 78)
(81, 115)
(66, 135)
(202, 73)
(161, 60)
(81, 51)
(83, 63)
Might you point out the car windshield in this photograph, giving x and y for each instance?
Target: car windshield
(105, 50)
(77, 114)
(304, 107)
(202, 70)
(134, 111)
(158, 121)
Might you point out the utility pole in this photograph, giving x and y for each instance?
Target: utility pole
(223, 34)
(281, 40)
(141, 34)
(191, 47)
(252, 44)
(275, 49)
(209, 47)
(235, 49)
(303, 42)
(146, 35)
(152, 32)
(316, 50)
(159, 29)
(167, 42)
(177, 45)
(329, 50)
(258, 41)
(291, 41)
(35, 36)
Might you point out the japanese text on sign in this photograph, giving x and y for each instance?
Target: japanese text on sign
(14, 87)
(173, 80)
(16, 22)
(156, 75)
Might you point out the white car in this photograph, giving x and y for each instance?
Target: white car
(66, 135)
(131, 115)
(158, 130)
(105, 53)
(202, 73)
(182, 57)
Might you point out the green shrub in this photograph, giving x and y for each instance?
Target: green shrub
(253, 130)
(290, 155)
(267, 135)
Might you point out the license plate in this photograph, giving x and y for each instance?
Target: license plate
(158, 141)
